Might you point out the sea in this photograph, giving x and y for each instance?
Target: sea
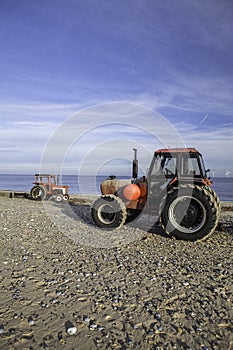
(91, 184)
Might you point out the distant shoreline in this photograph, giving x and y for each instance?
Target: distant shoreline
(91, 184)
(226, 205)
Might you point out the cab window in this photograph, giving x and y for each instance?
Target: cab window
(164, 165)
(190, 166)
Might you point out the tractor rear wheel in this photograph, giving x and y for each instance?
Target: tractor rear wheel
(190, 213)
(109, 212)
(38, 193)
(216, 197)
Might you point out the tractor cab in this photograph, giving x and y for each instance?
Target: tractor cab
(173, 167)
(178, 164)
(48, 181)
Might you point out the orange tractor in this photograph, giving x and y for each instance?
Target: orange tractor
(176, 190)
(47, 187)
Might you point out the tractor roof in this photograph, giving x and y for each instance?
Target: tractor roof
(45, 175)
(177, 150)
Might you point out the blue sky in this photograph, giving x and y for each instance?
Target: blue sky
(61, 57)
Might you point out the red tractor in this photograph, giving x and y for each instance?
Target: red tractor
(47, 187)
(177, 191)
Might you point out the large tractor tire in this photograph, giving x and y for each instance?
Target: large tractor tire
(38, 193)
(190, 213)
(109, 212)
(216, 197)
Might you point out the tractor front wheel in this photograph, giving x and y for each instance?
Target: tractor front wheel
(38, 193)
(58, 198)
(190, 213)
(109, 212)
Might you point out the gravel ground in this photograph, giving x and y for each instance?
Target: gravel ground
(65, 284)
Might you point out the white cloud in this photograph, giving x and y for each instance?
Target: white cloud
(42, 110)
(186, 93)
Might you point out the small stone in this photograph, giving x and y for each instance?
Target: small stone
(92, 326)
(30, 321)
(43, 304)
(71, 330)
(157, 316)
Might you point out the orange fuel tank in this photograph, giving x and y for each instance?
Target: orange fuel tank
(132, 192)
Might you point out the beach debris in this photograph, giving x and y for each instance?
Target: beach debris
(1, 328)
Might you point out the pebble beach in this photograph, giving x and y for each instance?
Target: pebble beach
(65, 284)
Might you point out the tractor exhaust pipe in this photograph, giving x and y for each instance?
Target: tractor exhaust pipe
(135, 165)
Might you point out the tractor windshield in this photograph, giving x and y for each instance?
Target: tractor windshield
(164, 164)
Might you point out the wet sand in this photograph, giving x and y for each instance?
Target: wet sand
(65, 284)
